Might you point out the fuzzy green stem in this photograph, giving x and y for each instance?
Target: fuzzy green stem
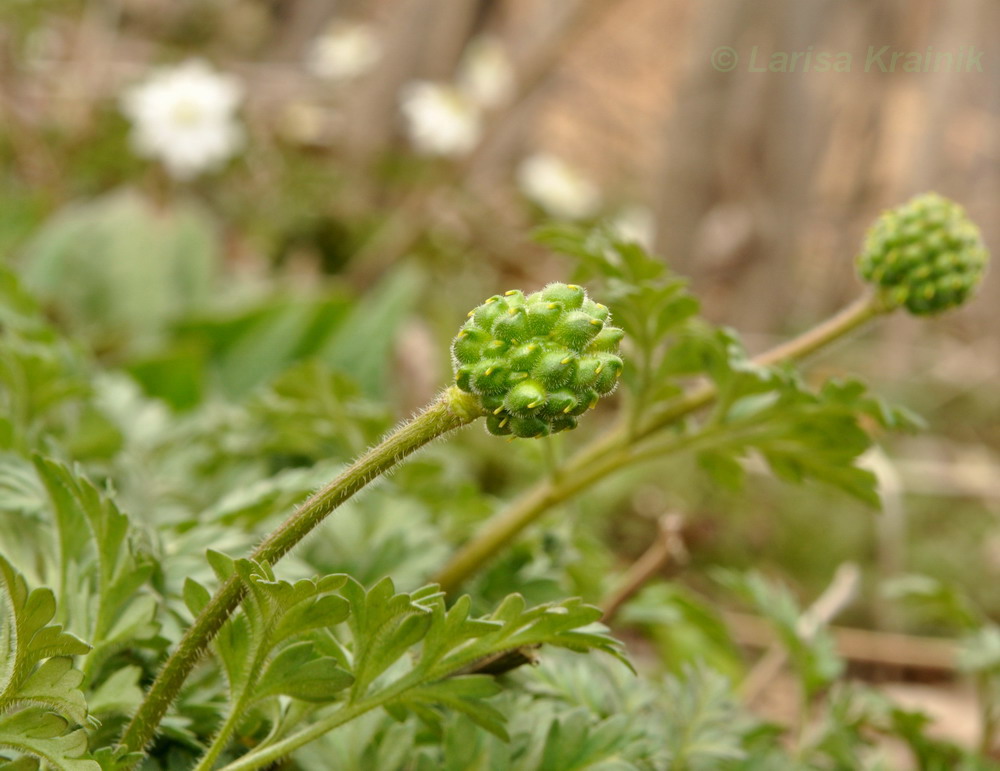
(610, 452)
(207, 761)
(266, 756)
(452, 410)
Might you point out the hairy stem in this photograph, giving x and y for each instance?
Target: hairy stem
(221, 740)
(611, 452)
(266, 756)
(451, 410)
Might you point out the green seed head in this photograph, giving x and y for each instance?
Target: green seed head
(538, 362)
(926, 255)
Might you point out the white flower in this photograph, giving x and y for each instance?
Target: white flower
(184, 116)
(635, 223)
(345, 51)
(557, 187)
(440, 119)
(485, 73)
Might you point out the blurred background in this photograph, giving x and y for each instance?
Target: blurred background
(207, 192)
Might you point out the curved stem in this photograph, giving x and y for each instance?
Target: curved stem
(610, 452)
(504, 528)
(265, 756)
(207, 761)
(451, 410)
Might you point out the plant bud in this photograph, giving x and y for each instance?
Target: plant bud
(537, 362)
(926, 255)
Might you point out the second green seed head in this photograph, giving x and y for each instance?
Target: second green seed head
(926, 255)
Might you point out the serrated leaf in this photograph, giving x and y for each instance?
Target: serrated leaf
(814, 655)
(56, 686)
(46, 736)
(298, 672)
(93, 530)
(26, 635)
(701, 728)
(384, 625)
(462, 694)
(21, 764)
(117, 759)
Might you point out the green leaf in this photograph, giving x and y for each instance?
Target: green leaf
(298, 672)
(55, 685)
(86, 263)
(723, 468)
(196, 596)
(803, 435)
(361, 346)
(119, 694)
(383, 626)
(814, 655)
(462, 694)
(21, 764)
(44, 735)
(91, 528)
(26, 637)
(702, 726)
(936, 601)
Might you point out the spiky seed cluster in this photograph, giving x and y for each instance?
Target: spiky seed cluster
(926, 255)
(537, 362)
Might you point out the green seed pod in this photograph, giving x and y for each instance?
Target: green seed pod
(486, 314)
(576, 329)
(524, 399)
(512, 326)
(560, 402)
(498, 425)
(492, 403)
(587, 368)
(608, 339)
(562, 423)
(542, 316)
(463, 378)
(555, 368)
(469, 345)
(523, 357)
(569, 295)
(495, 349)
(588, 400)
(537, 362)
(926, 255)
(595, 310)
(529, 428)
(489, 377)
(608, 373)
(514, 297)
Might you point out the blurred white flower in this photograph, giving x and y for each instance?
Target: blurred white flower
(557, 187)
(485, 73)
(635, 223)
(184, 116)
(440, 119)
(345, 51)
